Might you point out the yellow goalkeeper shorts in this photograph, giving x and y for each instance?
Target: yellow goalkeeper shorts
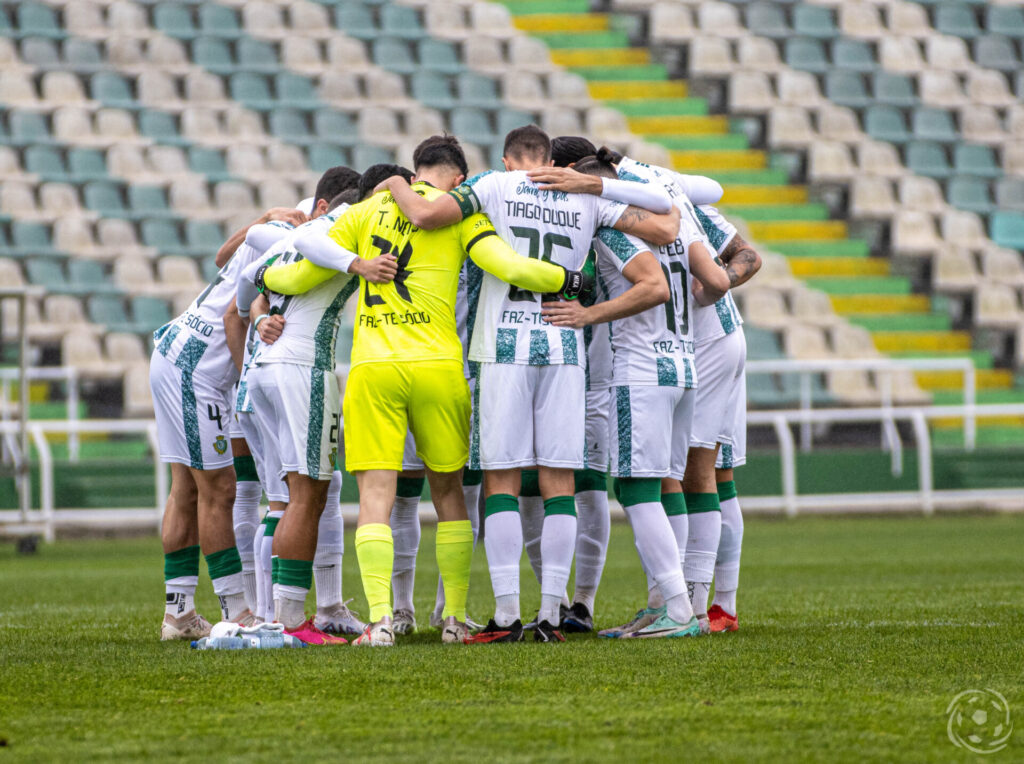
(384, 400)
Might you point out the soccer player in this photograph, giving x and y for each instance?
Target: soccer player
(530, 388)
(407, 375)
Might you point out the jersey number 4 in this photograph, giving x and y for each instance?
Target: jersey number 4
(403, 257)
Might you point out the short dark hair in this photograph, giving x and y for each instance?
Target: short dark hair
(598, 164)
(528, 141)
(440, 150)
(348, 196)
(378, 172)
(333, 182)
(569, 149)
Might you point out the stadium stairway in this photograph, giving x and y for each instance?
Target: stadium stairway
(779, 216)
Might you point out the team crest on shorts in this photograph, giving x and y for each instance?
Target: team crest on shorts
(334, 458)
(220, 445)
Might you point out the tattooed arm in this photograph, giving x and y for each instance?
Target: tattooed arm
(657, 229)
(741, 261)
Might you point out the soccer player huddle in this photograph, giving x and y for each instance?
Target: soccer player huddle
(519, 337)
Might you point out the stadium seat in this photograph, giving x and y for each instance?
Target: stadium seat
(83, 56)
(1008, 229)
(954, 270)
(871, 197)
(900, 54)
(296, 91)
(257, 56)
(31, 239)
(893, 89)
(914, 233)
(391, 53)
(364, 156)
(302, 54)
(1003, 266)
(963, 229)
(941, 89)
(830, 161)
(957, 20)
(861, 20)
(111, 89)
(806, 54)
(766, 308)
(931, 124)
(885, 123)
(805, 342)
(846, 88)
(174, 20)
(475, 90)
(839, 123)
(46, 162)
(917, 192)
(138, 396)
(400, 21)
(81, 349)
(711, 55)
(671, 22)
(853, 55)
(251, 90)
(37, 20)
(798, 88)
(759, 54)
(929, 159)
(949, 53)
(996, 52)
(970, 159)
(981, 124)
(721, 19)
(768, 19)
(790, 126)
(998, 306)
(814, 21)
(133, 274)
(970, 194)
(751, 92)
(1004, 19)
(1009, 193)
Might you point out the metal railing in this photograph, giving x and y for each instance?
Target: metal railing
(66, 374)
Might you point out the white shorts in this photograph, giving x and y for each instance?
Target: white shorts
(193, 417)
(301, 407)
(721, 409)
(264, 453)
(598, 403)
(529, 415)
(643, 429)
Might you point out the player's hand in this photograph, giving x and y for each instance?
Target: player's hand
(259, 306)
(699, 295)
(579, 284)
(385, 185)
(565, 179)
(379, 270)
(569, 314)
(270, 328)
(286, 214)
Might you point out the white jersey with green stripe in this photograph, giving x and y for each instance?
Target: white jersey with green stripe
(646, 347)
(203, 321)
(551, 225)
(311, 319)
(722, 318)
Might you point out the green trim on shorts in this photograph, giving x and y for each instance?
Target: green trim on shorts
(181, 563)
(500, 502)
(674, 504)
(633, 491)
(472, 477)
(245, 470)
(726, 490)
(590, 480)
(294, 573)
(624, 419)
(560, 505)
(226, 562)
(529, 484)
(702, 502)
(410, 488)
(314, 430)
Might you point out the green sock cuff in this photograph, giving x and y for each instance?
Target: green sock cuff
(674, 504)
(530, 483)
(295, 573)
(727, 490)
(472, 477)
(560, 505)
(633, 491)
(500, 502)
(224, 563)
(454, 532)
(275, 563)
(245, 470)
(591, 480)
(271, 523)
(410, 488)
(181, 563)
(702, 502)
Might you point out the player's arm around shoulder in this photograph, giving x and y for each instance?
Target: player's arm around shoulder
(488, 250)
(426, 214)
(644, 224)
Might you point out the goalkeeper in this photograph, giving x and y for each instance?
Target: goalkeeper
(407, 367)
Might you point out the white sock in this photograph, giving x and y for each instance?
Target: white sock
(701, 550)
(531, 514)
(504, 545)
(681, 530)
(654, 538)
(180, 595)
(654, 598)
(405, 530)
(245, 515)
(266, 553)
(471, 493)
(330, 548)
(593, 529)
(261, 576)
(289, 605)
(558, 542)
(727, 563)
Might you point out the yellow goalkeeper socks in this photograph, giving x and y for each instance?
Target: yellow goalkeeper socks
(454, 547)
(375, 551)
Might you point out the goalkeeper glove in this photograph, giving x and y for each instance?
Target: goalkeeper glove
(578, 284)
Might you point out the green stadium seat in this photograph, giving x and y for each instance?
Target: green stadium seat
(46, 272)
(1018, 86)
(161, 127)
(322, 156)
(355, 20)
(38, 20)
(768, 19)
(439, 56)
(109, 311)
(29, 239)
(112, 89)
(813, 21)
(956, 19)
(251, 90)
(928, 159)
(83, 55)
(893, 89)
(854, 55)
(762, 344)
(1005, 19)
(148, 201)
(214, 54)
(219, 21)
(87, 164)
(400, 21)
(364, 155)
(174, 20)
(40, 52)
(289, 125)
(886, 123)
(394, 55)
(6, 30)
(847, 89)
(477, 90)
(105, 198)
(433, 89)
(806, 54)
(931, 124)
(996, 52)
(208, 162)
(296, 91)
(28, 128)
(335, 126)
(1010, 193)
(46, 162)
(89, 276)
(509, 119)
(970, 194)
(257, 56)
(203, 237)
(972, 159)
(163, 235)
(1008, 229)
(208, 268)
(150, 313)
(472, 125)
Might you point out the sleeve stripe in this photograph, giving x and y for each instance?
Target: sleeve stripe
(478, 237)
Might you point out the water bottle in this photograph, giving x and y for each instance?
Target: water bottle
(269, 639)
(219, 643)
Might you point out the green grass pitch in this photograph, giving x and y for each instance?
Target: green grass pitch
(855, 635)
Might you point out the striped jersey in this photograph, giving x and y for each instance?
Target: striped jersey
(550, 225)
(722, 318)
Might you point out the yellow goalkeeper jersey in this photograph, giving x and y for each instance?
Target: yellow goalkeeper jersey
(413, 317)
